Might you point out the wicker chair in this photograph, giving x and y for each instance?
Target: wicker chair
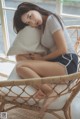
(65, 88)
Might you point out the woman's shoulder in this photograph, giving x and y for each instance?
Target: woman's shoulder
(53, 23)
(51, 18)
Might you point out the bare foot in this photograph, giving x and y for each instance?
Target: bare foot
(45, 90)
(39, 95)
(47, 103)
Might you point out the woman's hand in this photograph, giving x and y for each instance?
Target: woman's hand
(36, 56)
(21, 57)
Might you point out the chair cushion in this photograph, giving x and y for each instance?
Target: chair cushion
(25, 95)
(27, 41)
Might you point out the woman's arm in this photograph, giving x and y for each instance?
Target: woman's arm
(60, 42)
(30, 56)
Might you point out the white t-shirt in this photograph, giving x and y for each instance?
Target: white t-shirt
(53, 25)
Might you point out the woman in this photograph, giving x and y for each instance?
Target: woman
(61, 58)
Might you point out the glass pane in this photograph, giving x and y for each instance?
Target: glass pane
(71, 21)
(71, 7)
(1, 40)
(12, 34)
(50, 5)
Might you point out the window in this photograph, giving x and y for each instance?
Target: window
(69, 9)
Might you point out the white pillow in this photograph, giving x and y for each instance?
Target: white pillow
(27, 41)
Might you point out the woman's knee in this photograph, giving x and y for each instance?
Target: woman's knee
(20, 65)
(19, 57)
(18, 68)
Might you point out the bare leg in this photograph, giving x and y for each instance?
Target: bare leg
(32, 68)
(45, 90)
(25, 72)
(44, 68)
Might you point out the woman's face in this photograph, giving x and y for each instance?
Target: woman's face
(32, 18)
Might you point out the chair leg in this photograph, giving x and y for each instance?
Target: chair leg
(2, 106)
(67, 113)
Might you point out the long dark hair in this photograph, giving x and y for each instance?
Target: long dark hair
(25, 7)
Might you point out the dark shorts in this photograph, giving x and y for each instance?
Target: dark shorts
(69, 60)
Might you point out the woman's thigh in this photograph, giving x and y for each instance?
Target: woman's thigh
(44, 68)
